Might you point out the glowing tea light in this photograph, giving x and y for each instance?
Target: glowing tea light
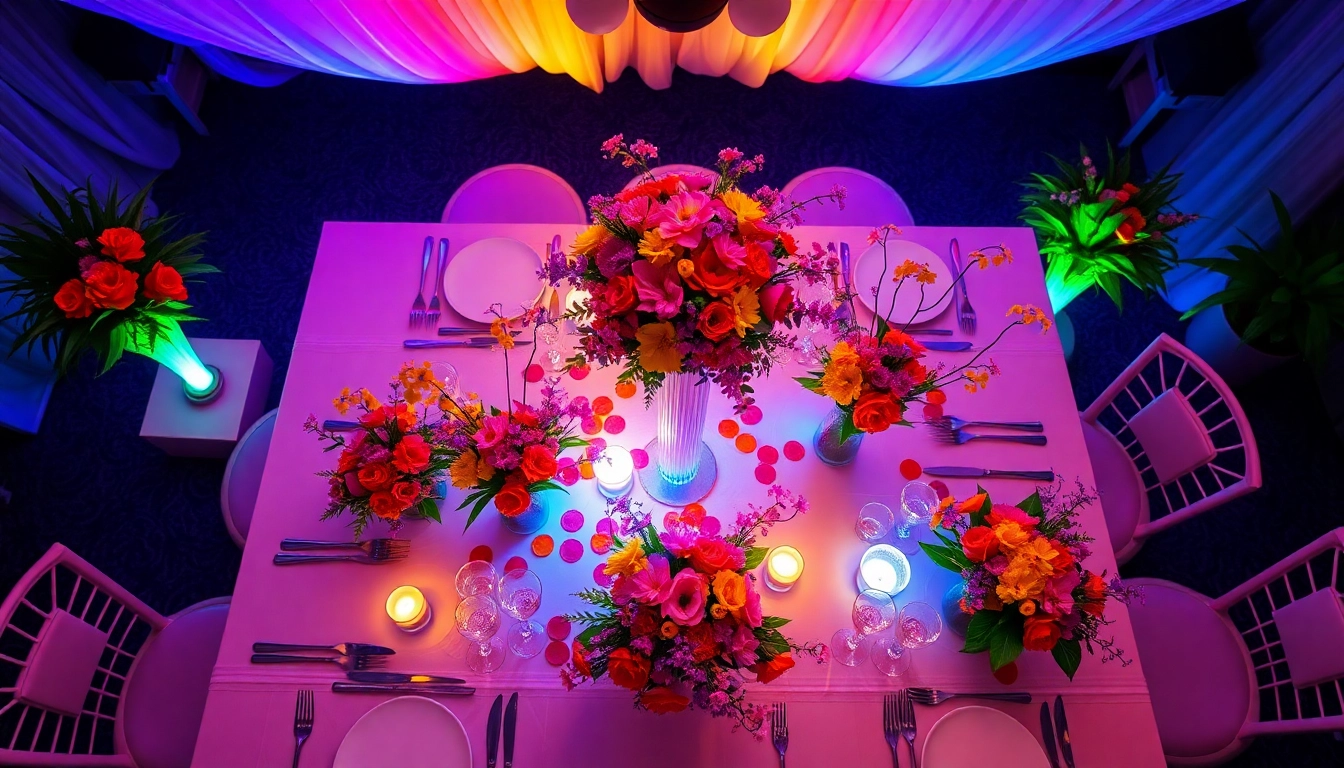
(783, 566)
(408, 608)
(614, 469)
(884, 568)
(572, 302)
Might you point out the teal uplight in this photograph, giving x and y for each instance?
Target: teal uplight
(171, 349)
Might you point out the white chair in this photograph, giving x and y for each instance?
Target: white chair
(1168, 441)
(681, 169)
(242, 477)
(869, 201)
(515, 194)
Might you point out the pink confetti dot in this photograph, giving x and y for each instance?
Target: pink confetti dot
(595, 446)
(579, 374)
(572, 520)
(933, 411)
(558, 628)
(710, 526)
(604, 526)
(482, 552)
(534, 373)
(600, 578)
(768, 454)
(751, 416)
(640, 457)
(571, 550)
(565, 461)
(793, 451)
(614, 425)
(569, 475)
(940, 488)
(515, 563)
(557, 653)
(765, 474)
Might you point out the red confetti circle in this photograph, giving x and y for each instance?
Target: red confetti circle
(534, 373)
(557, 653)
(580, 373)
(794, 451)
(751, 416)
(911, 470)
(482, 552)
(710, 526)
(558, 628)
(515, 563)
(933, 412)
(765, 474)
(602, 405)
(940, 488)
(768, 454)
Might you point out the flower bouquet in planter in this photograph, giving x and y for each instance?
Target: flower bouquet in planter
(1025, 585)
(100, 276)
(682, 621)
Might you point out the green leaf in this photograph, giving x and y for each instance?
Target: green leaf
(1005, 641)
(755, 556)
(1068, 655)
(430, 510)
(980, 629)
(774, 622)
(1032, 506)
(953, 559)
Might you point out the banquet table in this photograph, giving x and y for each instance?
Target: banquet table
(353, 323)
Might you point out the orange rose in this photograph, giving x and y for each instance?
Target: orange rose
(385, 506)
(874, 412)
(716, 321)
(1131, 226)
(411, 454)
(406, 493)
(581, 660)
(758, 266)
(664, 185)
(772, 669)
(776, 302)
(790, 245)
(1094, 587)
(661, 700)
(163, 283)
(375, 477)
(1040, 633)
(110, 285)
(628, 669)
(979, 544)
(122, 244)
(538, 463)
(513, 499)
(72, 300)
(711, 276)
(620, 294)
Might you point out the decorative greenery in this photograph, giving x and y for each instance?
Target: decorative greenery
(1285, 299)
(1096, 228)
(97, 275)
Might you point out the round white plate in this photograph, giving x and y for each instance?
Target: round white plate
(966, 735)
(496, 270)
(408, 732)
(868, 273)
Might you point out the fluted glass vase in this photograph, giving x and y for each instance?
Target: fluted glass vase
(832, 444)
(169, 346)
(682, 468)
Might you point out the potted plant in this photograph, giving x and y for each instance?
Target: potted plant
(1279, 302)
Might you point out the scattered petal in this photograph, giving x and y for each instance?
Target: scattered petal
(569, 475)
(592, 425)
(557, 653)
(614, 425)
(580, 373)
(543, 545)
(752, 415)
(728, 428)
(794, 451)
(558, 628)
(765, 474)
(932, 412)
(768, 454)
(604, 526)
(940, 488)
(571, 550)
(602, 405)
(601, 578)
(600, 543)
(625, 389)
(482, 552)
(515, 563)
(911, 470)
(572, 520)
(640, 457)
(534, 373)
(745, 443)
(711, 526)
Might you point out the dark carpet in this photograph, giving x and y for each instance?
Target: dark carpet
(281, 161)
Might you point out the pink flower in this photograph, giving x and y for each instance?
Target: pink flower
(1059, 592)
(651, 585)
(86, 264)
(679, 540)
(635, 212)
(742, 646)
(733, 254)
(610, 146)
(658, 288)
(493, 431)
(729, 155)
(752, 612)
(685, 600)
(682, 218)
(696, 181)
(352, 485)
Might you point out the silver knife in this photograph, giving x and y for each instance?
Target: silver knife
(947, 346)
(432, 690)
(844, 311)
(1048, 735)
(475, 342)
(458, 331)
(352, 649)
(402, 678)
(443, 264)
(339, 425)
(1062, 724)
(929, 331)
(510, 724)
(492, 731)
(1044, 475)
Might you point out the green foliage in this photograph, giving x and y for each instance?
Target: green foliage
(946, 556)
(1287, 298)
(755, 556)
(45, 253)
(1032, 506)
(1068, 655)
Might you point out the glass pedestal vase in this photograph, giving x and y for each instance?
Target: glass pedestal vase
(530, 520)
(954, 618)
(168, 346)
(681, 469)
(828, 444)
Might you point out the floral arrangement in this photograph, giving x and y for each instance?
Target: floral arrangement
(99, 275)
(686, 273)
(1026, 588)
(684, 616)
(875, 373)
(1095, 228)
(402, 448)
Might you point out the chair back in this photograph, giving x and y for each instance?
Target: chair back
(69, 641)
(1184, 430)
(869, 201)
(242, 477)
(681, 169)
(515, 194)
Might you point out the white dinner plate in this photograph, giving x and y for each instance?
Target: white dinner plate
(496, 270)
(868, 272)
(974, 737)
(406, 732)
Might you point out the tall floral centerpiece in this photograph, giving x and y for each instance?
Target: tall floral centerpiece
(682, 622)
(1025, 585)
(97, 275)
(688, 278)
(875, 373)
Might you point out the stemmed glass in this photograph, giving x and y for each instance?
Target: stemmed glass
(478, 621)
(520, 597)
(875, 519)
(918, 503)
(918, 626)
(477, 577)
(447, 373)
(806, 348)
(873, 612)
(548, 336)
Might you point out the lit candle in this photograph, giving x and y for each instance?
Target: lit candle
(783, 566)
(884, 568)
(572, 302)
(407, 607)
(614, 469)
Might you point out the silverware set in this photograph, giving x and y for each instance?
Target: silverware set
(944, 432)
(503, 719)
(472, 342)
(779, 731)
(422, 314)
(368, 552)
(1039, 475)
(351, 657)
(898, 724)
(303, 721)
(1048, 733)
(931, 697)
(961, 297)
(340, 649)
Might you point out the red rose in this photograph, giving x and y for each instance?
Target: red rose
(758, 265)
(620, 294)
(385, 506)
(163, 283)
(347, 461)
(411, 454)
(406, 493)
(701, 638)
(1131, 226)
(122, 244)
(662, 700)
(711, 555)
(538, 463)
(664, 185)
(710, 275)
(110, 285)
(790, 245)
(524, 415)
(375, 477)
(512, 499)
(772, 669)
(716, 321)
(644, 624)
(375, 418)
(1040, 633)
(581, 661)
(874, 412)
(776, 302)
(628, 669)
(72, 300)
(1063, 557)
(979, 544)
(1094, 587)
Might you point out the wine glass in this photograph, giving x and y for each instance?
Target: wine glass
(807, 350)
(918, 626)
(918, 503)
(873, 612)
(477, 577)
(478, 621)
(447, 374)
(875, 519)
(548, 337)
(520, 597)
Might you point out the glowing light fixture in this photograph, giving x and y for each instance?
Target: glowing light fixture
(755, 18)
(170, 348)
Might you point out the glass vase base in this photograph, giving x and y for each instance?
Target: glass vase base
(679, 494)
(208, 395)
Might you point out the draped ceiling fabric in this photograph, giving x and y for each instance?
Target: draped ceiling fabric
(897, 42)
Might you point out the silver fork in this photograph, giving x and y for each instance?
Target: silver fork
(779, 731)
(891, 726)
(383, 555)
(418, 306)
(965, 313)
(438, 281)
(1021, 426)
(946, 434)
(906, 714)
(348, 663)
(931, 697)
(303, 721)
(375, 548)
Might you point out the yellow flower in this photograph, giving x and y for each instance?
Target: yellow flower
(668, 630)
(627, 561)
(843, 354)
(468, 469)
(1005, 254)
(1026, 608)
(731, 590)
(499, 328)
(343, 401)
(658, 347)
(589, 239)
(1030, 314)
(748, 211)
(657, 250)
(746, 309)
(926, 276)
(1011, 536)
(842, 382)
(717, 611)
(685, 267)
(906, 269)
(979, 258)
(369, 401)
(1021, 580)
(978, 378)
